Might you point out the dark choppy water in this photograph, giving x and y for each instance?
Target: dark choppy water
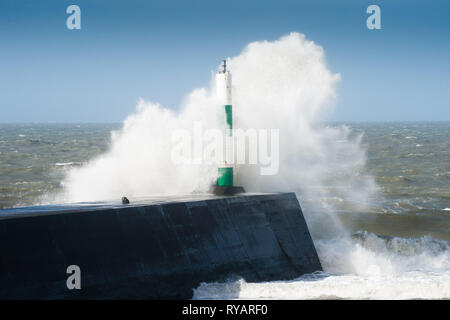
(34, 157)
(411, 165)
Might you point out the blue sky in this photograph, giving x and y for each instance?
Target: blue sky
(161, 50)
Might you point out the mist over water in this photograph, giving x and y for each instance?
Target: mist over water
(370, 245)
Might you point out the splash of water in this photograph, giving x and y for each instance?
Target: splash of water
(284, 84)
(138, 161)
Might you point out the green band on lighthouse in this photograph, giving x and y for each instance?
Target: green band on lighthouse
(229, 116)
(225, 177)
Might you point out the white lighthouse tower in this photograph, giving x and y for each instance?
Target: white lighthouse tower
(223, 87)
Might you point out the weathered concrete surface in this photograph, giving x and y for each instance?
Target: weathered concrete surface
(159, 250)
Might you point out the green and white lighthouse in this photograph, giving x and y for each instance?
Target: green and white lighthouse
(223, 87)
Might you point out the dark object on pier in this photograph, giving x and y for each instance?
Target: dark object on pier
(227, 190)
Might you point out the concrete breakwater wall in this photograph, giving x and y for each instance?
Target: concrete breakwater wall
(156, 250)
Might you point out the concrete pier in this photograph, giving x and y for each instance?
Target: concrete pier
(158, 249)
